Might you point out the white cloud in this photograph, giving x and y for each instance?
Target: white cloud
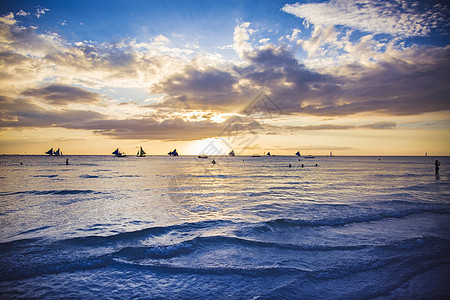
(395, 17)
(22, 13)
(294, 36)
(41, 11)
(320, 36)
(8, 19)
(241, 37)
(264, 41)
(161, 40)
(226, 47)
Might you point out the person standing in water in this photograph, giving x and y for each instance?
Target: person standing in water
(67, 161)
(436, 166)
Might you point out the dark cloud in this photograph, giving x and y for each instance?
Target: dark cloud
(379, 125)
(376, 126)
(22, 113)
(311, 147)
(58, 94)
(199, 89)
(149, 128)
(414, 83)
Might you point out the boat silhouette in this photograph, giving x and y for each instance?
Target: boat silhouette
(51, 152)
(173, 153)
(119, 153)
(141, 152)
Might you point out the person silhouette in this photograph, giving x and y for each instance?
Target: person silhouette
(436, 166)
(67, 161)
(213, 162)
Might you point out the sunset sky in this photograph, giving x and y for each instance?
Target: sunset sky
(354, 77)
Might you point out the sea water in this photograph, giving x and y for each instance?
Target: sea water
(244, 228)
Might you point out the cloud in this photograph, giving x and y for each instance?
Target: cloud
(240, 39)
(8, 19)
(198, 89)
(41, 76)
(411, 81)
(384, 125)
(57, 94)
(22, 13)
(312, 147)
(41, 11)
(397, 18)
(149, 128)
(22, 113)
(320, 36)
(161, 39)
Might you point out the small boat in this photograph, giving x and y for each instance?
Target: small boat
(119, 153)
(203, 156)
(50, 152)
(268, 154)
(141, 152)
(231, 153)
(298, 153)
(256, 155)
(173, 153)
(331, 153)
(309, 156)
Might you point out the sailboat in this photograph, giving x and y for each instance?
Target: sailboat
(173, 153)
(298, 153)
(268, 154)
(231, 153)
(331, 153)
(141, 152)
(119, 153)
(50, 152)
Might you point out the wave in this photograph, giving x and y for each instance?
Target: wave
(214, 176)
(411, 175)
(250, 271)
(61, 256)
(87, 176)
(34, 230)
(234, 240)
(46, 176)
(97, 240)
(335, 222)
(51, 192)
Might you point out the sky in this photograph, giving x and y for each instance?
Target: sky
(355, 77)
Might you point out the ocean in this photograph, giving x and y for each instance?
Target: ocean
(161, 227)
